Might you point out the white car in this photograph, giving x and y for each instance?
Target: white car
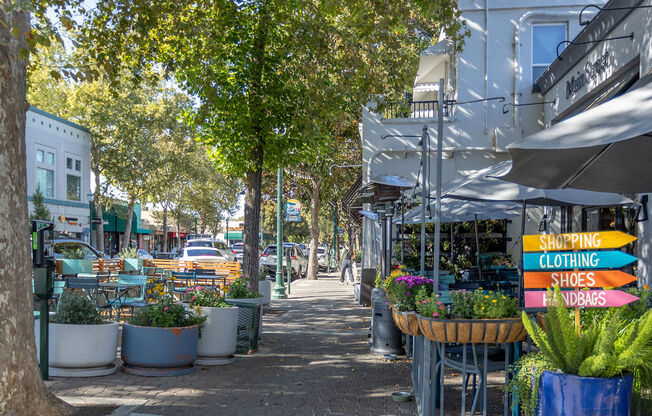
(322, 258)
(210, 243)
(142, 254)
(205, 253)
(298, 262)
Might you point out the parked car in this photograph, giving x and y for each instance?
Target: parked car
(60, 247)
(216, 244)
(322, 258)
(205, 253)
(143, 254)
(298, 261)
(238, 251)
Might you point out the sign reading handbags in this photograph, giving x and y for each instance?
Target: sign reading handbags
(592, 69)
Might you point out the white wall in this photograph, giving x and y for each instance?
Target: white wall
(43, 131)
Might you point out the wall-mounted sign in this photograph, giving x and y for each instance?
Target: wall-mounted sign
(581, 298)
(292, 210)
(584, 278)
(592, 69)
(576, 241)
(556, 260)
(62, 218)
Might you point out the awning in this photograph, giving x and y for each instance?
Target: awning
(453, 210)
(391, 180)
(233, 235)
(143, 231)
(606, 148)
(432, 64)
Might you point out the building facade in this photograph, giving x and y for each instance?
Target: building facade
(58, 163)
(510, 45)
(616, 60)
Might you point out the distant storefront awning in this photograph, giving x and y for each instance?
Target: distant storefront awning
(174, 234)
(233, 235)
(143, 231)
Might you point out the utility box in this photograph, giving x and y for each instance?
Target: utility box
(386, 338)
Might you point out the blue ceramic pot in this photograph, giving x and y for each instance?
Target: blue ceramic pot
(568, 395)
(146, 347)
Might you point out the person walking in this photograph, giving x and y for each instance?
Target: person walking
(346, 267)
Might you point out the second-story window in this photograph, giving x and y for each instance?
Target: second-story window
(73, 180)
(45, 172)
(545, 38)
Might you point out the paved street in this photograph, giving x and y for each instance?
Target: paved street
(313, 360)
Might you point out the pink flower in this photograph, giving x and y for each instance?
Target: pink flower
(424, 301)
(165, 308)
(198, 288)
(192, 299)
(441, 307)
(438, 302)
(435, 314)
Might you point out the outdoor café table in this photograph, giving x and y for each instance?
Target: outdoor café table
(119, 290)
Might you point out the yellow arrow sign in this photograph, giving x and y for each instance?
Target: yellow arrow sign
(576, 241)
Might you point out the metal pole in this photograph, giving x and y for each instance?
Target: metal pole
(388, 252)
(403, 232)
(440, 146)
(226, 236)
(424, 200)
(44, 338)
(279, 289)
(521, 299)
(383, 244)
(477, 246)
(335, 231)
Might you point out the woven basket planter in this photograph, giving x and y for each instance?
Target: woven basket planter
(479, 331)
(407, 322)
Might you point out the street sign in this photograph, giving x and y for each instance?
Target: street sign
(97, 221)
(576, 241)
(581, 298)
(293, 210)
(577, 260)
(583, 278)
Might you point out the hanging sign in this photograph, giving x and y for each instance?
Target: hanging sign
(593, 278)
(577, 260)
(581, 298)
(292, 210)
(576, 241)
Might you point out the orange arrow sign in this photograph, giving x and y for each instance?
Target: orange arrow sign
(585, 278)
(576, 241)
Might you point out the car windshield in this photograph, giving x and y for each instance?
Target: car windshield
(321, 251)
(202, 252)
(64, 247)
(270, 250)
(199, 243)
(220, 245)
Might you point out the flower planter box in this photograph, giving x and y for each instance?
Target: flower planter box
(151, 351)
(482, 331)
(564, 394)
(72, 266)
(218, 336)
(407, 322)
(80, 350)
(265, 288)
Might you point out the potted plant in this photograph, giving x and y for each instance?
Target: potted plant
(161, 340)
(265, 287)
(475, 317)
(218, 336)
(598, 368)
(402, 290)
(80, 344)
(130, 260)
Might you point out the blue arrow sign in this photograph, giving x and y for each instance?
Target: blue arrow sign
(560, 260)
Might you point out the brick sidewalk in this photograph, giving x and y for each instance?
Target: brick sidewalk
(313, 360)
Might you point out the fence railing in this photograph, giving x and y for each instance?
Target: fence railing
(412, 109)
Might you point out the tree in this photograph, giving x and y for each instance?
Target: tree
(267, 73)
(40, 211)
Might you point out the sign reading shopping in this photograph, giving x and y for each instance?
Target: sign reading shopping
(292, 210)
(577, 269)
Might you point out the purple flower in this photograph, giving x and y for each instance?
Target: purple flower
(165, 308)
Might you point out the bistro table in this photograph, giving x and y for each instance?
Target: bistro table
(120, 290)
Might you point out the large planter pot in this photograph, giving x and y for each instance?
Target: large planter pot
(407, 322)
(80, 350)
(265, 288)
(563, 394)
(149, 351)
(73, 266)
(218, 336)
(481, 331)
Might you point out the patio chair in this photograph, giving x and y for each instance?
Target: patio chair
(131, 302)
(91, 288)
(103, 276)
(181, 281)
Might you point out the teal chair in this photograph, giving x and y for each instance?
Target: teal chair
(131, 282)
(59, 285)
(185, 280)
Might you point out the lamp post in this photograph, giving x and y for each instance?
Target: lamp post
(279, 288)
(90, 221)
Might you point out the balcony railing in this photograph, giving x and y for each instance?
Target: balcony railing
(412, 109)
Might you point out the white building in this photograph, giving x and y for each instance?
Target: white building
(511, 44)
(592, 73)
(58, 162)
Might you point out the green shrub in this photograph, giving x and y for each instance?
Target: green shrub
(199, 296)
(77, 309)
(73, 253)
(128, 253)
(240, 289)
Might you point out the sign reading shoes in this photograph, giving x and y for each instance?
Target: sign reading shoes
(577, 269)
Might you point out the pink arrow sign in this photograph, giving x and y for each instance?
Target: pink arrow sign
(581, 298)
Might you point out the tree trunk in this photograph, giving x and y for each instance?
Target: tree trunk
(97, 202)
(127, 235)
(22, 391)
(165, 228)
(313, 265)
(251, 237)
(178, 221)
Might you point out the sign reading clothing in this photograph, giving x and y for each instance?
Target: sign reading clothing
(292, 210)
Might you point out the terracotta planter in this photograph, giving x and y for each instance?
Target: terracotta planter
(407, 322)
(480, 331)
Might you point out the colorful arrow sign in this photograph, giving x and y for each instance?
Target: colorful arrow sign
(581, 298)
(576, 260)
(576, 241)
(583, 278)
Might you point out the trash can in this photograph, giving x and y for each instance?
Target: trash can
(386, 338)
(248, 326)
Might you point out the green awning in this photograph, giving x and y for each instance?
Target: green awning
(233, 235)
(143, 231)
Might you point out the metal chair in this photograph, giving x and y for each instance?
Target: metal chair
(128, 280)
(188, 279)
(91, 288)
